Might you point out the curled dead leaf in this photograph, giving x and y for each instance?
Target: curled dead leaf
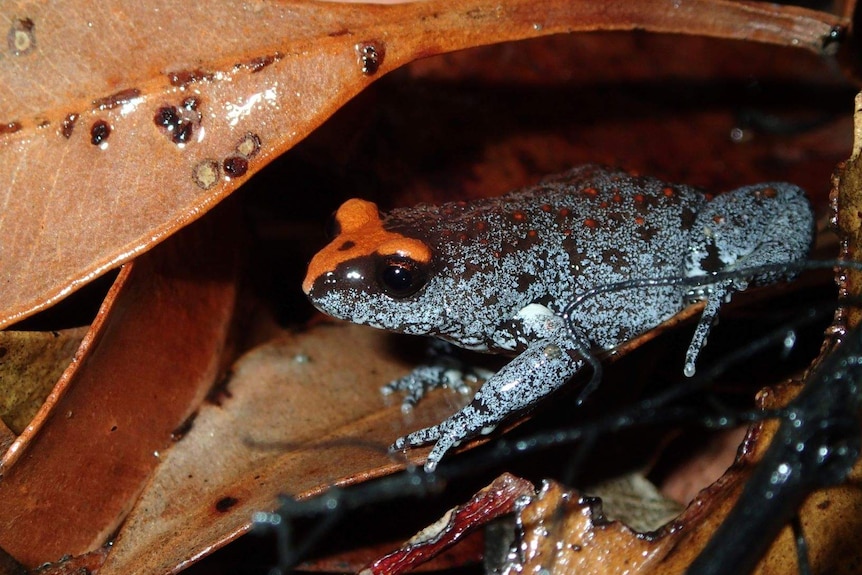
(142, 138)
(150, 357)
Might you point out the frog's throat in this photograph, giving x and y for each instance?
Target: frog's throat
(362, 234)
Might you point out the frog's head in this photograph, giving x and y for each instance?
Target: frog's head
(372, 275)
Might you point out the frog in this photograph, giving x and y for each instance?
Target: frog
(499, 275)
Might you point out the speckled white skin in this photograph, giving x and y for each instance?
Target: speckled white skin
(504, 269)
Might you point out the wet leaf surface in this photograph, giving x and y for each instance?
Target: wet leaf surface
(296, 417)
(212, 92)
(150, 357)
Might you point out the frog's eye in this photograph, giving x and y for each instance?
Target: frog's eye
(400, 277)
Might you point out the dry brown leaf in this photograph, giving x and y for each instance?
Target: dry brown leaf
(124, 121)
(30, 364)
(297, 417)
(150, 357)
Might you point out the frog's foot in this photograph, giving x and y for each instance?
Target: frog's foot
(538, 371)
(464, 424)
(719, 294)
(449, 372)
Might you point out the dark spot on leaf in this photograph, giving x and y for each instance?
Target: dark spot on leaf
(179, 123)
(183, 78)
(647, 233)
(370, 55)
(99, 132)
(220, 392)
(235, 166)
(225, 503)
(257, 64)
(21, 37)
(68, 125)
(10, 127)
(117, 99)
(166, 116)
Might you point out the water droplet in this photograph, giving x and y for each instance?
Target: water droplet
(738, 135)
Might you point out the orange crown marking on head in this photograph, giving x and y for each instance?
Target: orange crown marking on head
(362, 234)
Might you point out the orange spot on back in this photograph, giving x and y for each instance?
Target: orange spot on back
(360, 223)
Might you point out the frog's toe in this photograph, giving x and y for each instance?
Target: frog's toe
(417, 438)
(444, 444)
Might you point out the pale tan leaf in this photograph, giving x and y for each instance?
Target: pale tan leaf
(298, 416)
(30, 364)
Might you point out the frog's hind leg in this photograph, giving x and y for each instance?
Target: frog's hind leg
(538, 371)
(718, 296)
(763, 225)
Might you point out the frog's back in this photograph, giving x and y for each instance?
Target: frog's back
(549, 243)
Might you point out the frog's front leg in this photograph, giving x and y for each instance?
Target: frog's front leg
(542, 368)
